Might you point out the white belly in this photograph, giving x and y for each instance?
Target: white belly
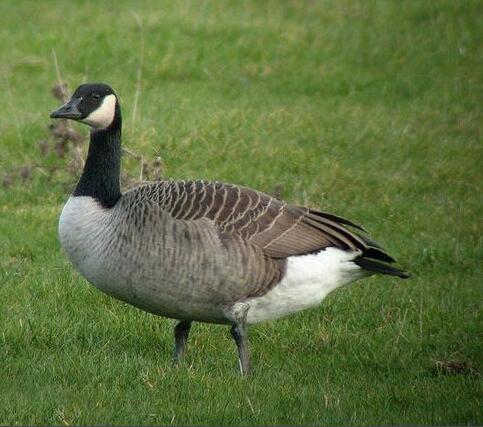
(307, 281)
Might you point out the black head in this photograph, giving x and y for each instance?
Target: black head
(95, 104)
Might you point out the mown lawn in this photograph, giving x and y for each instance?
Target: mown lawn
(369, 109)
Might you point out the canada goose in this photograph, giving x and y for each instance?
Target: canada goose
(197, 250)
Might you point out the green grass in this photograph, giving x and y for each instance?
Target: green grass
(369, 109)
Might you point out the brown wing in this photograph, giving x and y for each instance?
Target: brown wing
(280, 229)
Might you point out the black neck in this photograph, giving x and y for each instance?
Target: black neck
(100, 178)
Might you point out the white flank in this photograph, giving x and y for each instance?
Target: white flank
(307, 281)
(104, 115)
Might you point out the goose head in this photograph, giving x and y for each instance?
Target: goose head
(94, 104)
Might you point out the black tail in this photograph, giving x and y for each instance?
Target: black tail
(377, 266)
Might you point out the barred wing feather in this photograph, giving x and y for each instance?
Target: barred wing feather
(280, 229)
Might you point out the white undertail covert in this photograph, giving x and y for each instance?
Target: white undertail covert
(307, 281)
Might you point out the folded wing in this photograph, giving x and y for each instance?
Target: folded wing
(280, 229)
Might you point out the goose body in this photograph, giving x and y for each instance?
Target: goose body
(187, 269)
(197, 250)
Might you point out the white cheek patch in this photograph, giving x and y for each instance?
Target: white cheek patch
(104, 115)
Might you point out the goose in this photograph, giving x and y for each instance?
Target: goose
(201, 251)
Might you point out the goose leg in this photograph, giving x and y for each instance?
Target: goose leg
(181, 332)
(239, 332)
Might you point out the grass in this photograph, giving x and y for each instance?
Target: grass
(369, 109)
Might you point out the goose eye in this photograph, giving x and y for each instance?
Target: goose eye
(96, 96)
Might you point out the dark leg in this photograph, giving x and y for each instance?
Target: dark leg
(239, 332)
(181, 332)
